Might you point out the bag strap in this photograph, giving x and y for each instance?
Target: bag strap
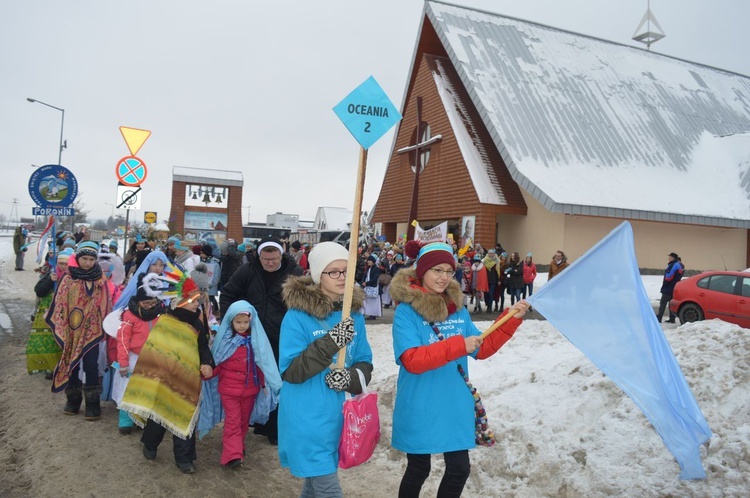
(362, 381)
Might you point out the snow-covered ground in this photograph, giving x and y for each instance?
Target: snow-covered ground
(565, 430)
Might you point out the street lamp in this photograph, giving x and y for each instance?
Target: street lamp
(113, 209)
(63, 144)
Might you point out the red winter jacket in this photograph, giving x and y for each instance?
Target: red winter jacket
(131, 336)
(232, 374)
(529, 272)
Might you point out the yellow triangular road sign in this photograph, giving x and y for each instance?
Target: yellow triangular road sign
(134, 138)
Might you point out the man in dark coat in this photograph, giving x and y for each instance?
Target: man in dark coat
(231, 260)
(259, 282)
(672, 275)
(19, 241)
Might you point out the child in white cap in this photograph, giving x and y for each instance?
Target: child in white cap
(312, 334)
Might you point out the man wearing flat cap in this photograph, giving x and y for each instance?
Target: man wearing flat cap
(672, 275)
(259, 282)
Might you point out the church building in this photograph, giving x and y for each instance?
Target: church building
(544, 140)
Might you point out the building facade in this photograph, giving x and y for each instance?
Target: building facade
(549, 139)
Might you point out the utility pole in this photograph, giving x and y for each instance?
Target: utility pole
(14, 209)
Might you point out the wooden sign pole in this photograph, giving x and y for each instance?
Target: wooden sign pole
(494, 326)
(351, 266)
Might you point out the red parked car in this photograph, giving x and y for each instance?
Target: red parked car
(713, 294)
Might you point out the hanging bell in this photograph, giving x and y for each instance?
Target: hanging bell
(206, 197)
(195, 195)
(218, 199)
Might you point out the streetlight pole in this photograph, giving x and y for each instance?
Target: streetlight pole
(62, 125)
(53, 258)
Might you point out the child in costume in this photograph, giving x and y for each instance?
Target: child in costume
(42, 352)
(165, 386)
(137, 321)
(245, 364)
(114, 271)
(80, 304)
(437, 409)
(154, 262)
(312, 395)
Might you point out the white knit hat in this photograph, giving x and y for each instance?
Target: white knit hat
(324, 254)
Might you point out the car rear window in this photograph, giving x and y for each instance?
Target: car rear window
(722, 283)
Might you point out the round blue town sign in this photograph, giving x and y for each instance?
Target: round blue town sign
(53, 186)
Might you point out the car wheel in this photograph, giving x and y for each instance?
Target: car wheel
(690, 313)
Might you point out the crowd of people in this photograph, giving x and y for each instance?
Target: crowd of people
(181, 339)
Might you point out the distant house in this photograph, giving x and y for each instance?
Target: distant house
(160, 231)
(550, 139)
(332, 218)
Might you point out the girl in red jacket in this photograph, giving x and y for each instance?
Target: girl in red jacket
(137, 321)
(245, 364)
(529, 274)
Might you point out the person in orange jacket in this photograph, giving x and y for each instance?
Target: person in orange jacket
(559, 263)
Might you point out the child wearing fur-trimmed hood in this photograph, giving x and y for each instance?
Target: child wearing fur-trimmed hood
(312, 335)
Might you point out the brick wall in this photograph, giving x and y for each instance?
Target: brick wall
(233, 210)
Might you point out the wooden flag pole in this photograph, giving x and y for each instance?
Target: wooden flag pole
(351, 266)
(494, 326)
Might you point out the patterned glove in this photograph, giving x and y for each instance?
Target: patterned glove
(338, 379)
(343, 332)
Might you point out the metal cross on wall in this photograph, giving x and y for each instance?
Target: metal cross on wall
(420, 151)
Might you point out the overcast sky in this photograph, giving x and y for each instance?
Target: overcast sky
(249, 86)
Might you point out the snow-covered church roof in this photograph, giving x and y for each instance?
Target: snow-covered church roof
(591, 127)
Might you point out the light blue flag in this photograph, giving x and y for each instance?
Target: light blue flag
(600, 305)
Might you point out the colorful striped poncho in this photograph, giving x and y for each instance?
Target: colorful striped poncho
(166, 382)
(42, 352)
(75, 316)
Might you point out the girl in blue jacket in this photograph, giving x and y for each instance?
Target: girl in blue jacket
(432, 337)
(312, 393)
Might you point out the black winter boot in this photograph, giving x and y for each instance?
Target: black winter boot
(75, 398)
(93, 395)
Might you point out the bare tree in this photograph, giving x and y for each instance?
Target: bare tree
(80, 214)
